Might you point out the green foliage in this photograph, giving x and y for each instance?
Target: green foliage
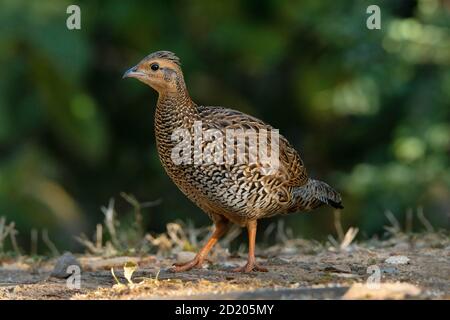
(368, 110)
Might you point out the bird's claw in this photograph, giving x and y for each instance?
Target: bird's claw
(250, 267)
(194, 263)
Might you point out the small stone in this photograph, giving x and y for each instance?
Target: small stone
(289, 250)
(343, 268)
(338, 268)
(389, 270)
(345, 275)
(62, 264)
(278, 261)
(228, 265)
(184, 256)
(397, 260)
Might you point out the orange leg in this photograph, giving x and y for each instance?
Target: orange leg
(251, 264)
(197, 262)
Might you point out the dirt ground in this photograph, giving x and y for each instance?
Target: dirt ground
(405, 267)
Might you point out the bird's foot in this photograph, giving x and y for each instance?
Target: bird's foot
(250, 267)
(197, 263)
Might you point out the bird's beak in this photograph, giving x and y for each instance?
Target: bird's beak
(133, 73)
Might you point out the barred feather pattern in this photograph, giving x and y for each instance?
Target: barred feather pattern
(239, 192)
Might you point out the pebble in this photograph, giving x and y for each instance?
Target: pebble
(345, 275)
(184, 256)
(389, 270)
(397, 260)
(62, 264)
(228, 265)
(289, 250)
(338, 268)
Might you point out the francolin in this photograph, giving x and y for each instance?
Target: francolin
(238, 192)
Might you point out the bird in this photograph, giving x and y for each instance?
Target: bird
(229, 192)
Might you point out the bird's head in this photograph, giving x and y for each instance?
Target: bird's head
(160, 70)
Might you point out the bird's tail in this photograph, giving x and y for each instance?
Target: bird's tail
(316, 193)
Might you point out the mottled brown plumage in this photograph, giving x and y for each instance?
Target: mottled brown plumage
(237, 193)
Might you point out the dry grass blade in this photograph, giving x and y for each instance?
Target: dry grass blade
(338, 225)
(349, 236)
(49, 243)
(138, 206)
(118, 284)
(395, 225)
(283, 234)
(110, 222)
(99, 236)
(149, 204)
(162, 242)
(82, 239)
(137, 212)
(424, 220)
(8, 230)
(333, 241)
(12, 235)
(344, 240)
(177, 235)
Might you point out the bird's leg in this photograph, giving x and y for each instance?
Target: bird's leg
(251, 264)
(220, 229)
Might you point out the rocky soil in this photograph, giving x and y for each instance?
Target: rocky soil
(403, 267)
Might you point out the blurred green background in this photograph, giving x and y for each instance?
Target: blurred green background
(368, 110)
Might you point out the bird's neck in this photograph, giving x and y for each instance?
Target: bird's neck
(174, 110)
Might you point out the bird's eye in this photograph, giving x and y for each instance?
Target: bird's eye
(154, 66)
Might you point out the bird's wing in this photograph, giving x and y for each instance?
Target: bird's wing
(291, 168)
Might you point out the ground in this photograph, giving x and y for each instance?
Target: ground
(418, 267)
